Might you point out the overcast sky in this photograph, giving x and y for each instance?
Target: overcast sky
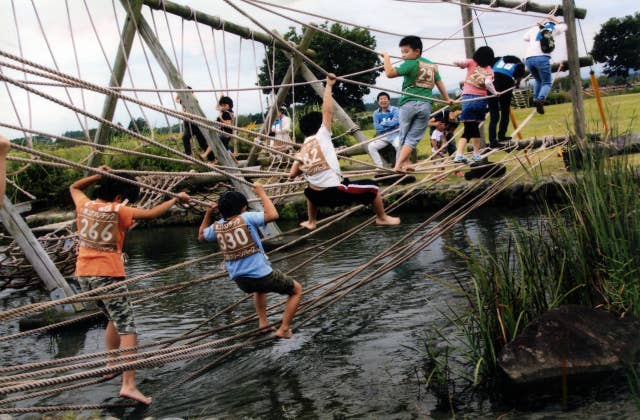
(239, 68)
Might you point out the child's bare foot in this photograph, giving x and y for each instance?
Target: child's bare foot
(286, 333)
(134, 394)
(387, 221)
(308, 225)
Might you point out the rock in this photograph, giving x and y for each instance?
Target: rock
(576, 339)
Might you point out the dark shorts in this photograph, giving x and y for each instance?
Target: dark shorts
(474, 110)
(363, 191)
(118, 310)
(275, 282)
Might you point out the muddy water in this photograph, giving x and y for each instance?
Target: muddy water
(362, 357)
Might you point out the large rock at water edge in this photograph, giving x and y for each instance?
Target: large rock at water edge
(575, 338)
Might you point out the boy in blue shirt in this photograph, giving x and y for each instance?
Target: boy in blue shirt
(244, 257)
(420, 76)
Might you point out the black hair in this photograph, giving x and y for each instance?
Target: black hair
(383, 94)
(225, 115)
(231, 203)
(484, 56)
(310, 123)
(225, 100)
(412, 41)
(110, 188)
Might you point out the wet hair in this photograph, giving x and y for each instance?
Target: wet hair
(109, 188)
(412, 41)
(310, 123)
(484, 56)
(231, 203)
(383, 94)
(225, 100)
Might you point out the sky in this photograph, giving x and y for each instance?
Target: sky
(232, 62)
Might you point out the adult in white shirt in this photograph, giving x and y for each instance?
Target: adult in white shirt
(538, 58)
(318, 161)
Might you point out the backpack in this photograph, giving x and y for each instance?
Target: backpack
(547, 43)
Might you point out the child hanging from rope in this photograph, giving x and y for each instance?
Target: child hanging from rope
(102, 223)
(319, 164)
(246, 262)
(189, 130)
(479, 80)
(420, 76)
(5, 145)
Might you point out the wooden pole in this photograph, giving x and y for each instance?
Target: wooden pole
(117, 75)
(289, 77)
(514, 122)
(596, 91)
(53, 280)
(574, 70)
(467, 31)
(192, 106)
(533, 7)
(339, 114)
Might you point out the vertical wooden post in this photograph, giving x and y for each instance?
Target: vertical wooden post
(467, 31)
(596, 90)
(514, 122)
(339, 114)
(37, 256)
(289, 77)
(192, 106)
(574, 70)
(117, 75)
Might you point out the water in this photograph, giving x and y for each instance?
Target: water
(360, 358)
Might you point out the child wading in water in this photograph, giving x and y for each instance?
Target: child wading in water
(102, 223)
(319, 164)
(244, 257)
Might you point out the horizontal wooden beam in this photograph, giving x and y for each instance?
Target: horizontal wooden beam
(530, 6)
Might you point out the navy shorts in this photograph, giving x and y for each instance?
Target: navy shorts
(474, 110)
(363, 191)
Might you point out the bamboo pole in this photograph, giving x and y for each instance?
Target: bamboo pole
(514, 122)
(596, 91)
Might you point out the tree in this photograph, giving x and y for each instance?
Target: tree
(333, 55)
(618, 45)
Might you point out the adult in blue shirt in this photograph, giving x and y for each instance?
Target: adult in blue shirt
(386, 119)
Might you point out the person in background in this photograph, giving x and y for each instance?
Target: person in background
(385, 119)
(508, 71)
(280, 129)
(189, 130)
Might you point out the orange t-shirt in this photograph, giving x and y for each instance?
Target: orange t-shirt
(101, 229)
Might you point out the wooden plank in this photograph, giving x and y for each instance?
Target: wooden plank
(117, 75)
(37, 256)
(192, 106)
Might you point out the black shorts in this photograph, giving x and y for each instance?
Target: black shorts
(363, 191)
(276, 282)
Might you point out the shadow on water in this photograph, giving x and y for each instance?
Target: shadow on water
(356, 359)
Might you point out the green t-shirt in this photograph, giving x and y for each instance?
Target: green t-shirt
(420, 75)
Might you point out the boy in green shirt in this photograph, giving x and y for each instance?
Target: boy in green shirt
(420, 76)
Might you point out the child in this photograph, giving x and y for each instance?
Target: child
(322, 170)
(5, 145)
(190, 130)
(438, 139)
(538, 58)
(247, 265)
(507, 73)
(445, 121)
(225, 106)
(102, 223)
(385, 119)
(280, 130)
(420, 76)
(479, 80)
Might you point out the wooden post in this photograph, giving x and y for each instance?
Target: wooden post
(283, 91)
(339, 114)
(117, 75)
(532, 7)
(467, 31)
(192, 106)
(512, 117)
(37, 256)
(574, 70)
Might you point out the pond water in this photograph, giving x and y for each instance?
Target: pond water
(362, 357)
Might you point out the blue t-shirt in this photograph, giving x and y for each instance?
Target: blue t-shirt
(254, 266)
(384, 122)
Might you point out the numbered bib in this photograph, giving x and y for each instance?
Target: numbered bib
(426, 77)
(98, 230)
(313, 160)
(477, 77)
(235, 240)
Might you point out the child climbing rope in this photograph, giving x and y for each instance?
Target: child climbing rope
(244, 257)
(420, 76)
(189, 130)
(319, 164)
(102, 223)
